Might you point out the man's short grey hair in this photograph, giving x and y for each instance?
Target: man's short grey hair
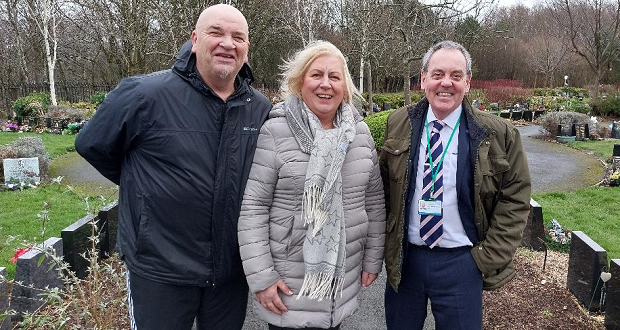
(446, 44)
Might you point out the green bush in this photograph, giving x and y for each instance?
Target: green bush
(395, 99)
(543, 92)
(33, 104)
(97, 98)
(560, 90)
(377, 123)
(575, 105)
(572, 90)
(609, 106)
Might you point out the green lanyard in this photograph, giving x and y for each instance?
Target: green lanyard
(443, 153)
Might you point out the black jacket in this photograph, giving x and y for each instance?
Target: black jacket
(181, 157)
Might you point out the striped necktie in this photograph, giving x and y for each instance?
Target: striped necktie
(431, 226)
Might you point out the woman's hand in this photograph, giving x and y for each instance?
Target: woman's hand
(270, 299)
(368, 278)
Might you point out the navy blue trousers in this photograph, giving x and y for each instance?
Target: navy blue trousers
(155, 306)
(449, 278)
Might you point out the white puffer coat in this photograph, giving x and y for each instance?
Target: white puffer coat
(271, 231)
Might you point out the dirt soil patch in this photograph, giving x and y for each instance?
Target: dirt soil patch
(537, 299)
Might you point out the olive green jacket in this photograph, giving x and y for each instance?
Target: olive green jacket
(501, 188)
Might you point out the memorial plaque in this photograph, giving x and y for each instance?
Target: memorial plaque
(21, 170)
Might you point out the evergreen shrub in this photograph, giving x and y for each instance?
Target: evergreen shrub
(97, 98)
(34, 104)
(377, 123)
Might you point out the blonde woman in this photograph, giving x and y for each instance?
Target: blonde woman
(312, 224)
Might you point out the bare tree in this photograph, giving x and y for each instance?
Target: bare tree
(366, 28)
(593, 27)
(302, 18)
(45, 14)
(546, 54)
(13, 18)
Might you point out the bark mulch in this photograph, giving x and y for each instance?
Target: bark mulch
(537, 300)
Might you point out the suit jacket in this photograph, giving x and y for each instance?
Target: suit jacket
(493, 185)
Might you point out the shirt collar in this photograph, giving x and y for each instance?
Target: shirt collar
(450, 121)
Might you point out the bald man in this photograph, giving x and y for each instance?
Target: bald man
(180, 143)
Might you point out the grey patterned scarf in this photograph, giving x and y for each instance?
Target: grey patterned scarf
(324, 247)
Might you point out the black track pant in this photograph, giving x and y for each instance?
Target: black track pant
(154, 305)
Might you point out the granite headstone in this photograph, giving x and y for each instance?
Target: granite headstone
(109, 225)
(586, 261)
(5, 319)
(34, 277)
(612, 301)
(534, 232)
(76, 243)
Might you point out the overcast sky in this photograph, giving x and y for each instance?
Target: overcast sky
(507, 3)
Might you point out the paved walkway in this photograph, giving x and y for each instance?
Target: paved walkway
(552, 167)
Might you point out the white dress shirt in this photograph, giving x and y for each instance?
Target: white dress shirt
(453, 232)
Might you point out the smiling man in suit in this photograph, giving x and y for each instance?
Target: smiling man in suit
(457, 189)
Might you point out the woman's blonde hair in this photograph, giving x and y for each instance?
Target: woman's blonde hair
(296, 67)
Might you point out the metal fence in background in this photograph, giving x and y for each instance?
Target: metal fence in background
(72, 92)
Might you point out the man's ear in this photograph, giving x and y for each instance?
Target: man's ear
(194, 37)
(247, 58)
(467, 83)
(422, 80)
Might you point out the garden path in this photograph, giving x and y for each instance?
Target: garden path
(555, 167)
(552, 167)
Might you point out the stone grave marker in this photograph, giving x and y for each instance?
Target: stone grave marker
(21, 170)
(34, 278)
(615, 130)
(612, 301)
(534, 230)
(616, 158)
(4, 300)
(580, 131)
(586, 261)
(76, 242)
(109, 225)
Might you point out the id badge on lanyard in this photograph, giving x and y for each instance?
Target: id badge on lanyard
(430, 207)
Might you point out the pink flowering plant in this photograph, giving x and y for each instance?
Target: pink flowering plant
(11, 127)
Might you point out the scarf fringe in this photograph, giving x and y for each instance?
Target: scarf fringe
(311, 210)
(321, 286)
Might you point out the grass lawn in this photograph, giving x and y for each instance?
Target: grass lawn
(603, 149)
(55, 144)
(593, 210)
(19, 224)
